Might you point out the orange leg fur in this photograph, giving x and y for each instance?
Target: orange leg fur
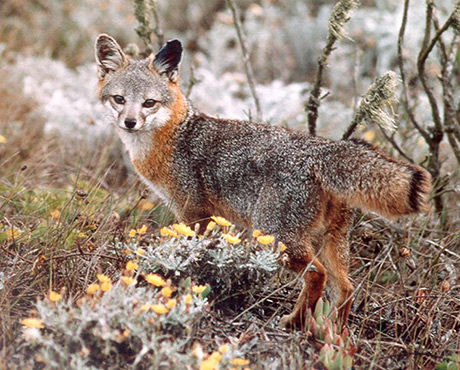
(314, 273)
(337, 270)
(335, 259)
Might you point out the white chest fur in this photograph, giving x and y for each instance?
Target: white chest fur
(159, 191)
(138, 144)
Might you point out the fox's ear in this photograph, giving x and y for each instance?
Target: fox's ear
(168, 58)
(109, 55)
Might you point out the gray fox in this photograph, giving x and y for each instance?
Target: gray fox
(297, 187)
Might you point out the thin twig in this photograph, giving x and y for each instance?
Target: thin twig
(157, 29)
(447, 59)
(192, 81)
(144, 30)
(437, 133)
(448, 97)
(337, 20)
(427, 47)
(314, 100)
(402, 73)
(395, 145)
(247, 62)
(143, 11)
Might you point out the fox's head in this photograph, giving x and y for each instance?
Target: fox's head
(141, 95)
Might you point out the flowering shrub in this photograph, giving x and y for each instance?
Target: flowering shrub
(122, 324)
(118, 323)
(140, 318)
(222, 259)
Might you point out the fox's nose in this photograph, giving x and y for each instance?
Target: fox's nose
(130, 123)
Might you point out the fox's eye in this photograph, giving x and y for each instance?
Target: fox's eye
(149, 103)
(119, 99)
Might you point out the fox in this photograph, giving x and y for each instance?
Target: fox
(301, 189)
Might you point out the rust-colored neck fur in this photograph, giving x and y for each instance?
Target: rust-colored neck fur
(156, 165)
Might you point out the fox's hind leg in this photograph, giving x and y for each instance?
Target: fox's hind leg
(293, 216)
(313, 271)
(335, 257)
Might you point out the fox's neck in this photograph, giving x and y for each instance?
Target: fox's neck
(151, 152)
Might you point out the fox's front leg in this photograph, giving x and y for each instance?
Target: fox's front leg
(304, 263)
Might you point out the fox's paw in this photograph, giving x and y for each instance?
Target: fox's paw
(291, 321)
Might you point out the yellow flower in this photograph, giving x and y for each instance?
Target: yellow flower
(155, 279)
(145, 307)
(216, 356)
(3, 139)
(166, 291)
(92, 288)
(81, 235)
(282, 246)
(171, 303)
(256, 233)
(211, 225)
(54, 296)
(106, 287)
(183, 229)
(103, 278)
(145, 205)
(132, 233)
(221, 221)
(126, 252)
(209, 364)
(128, 280)
(166, 231)
(140, 252)
(32, 322)
(223, 349)
(142, 230)
(131, 266)
(199, 289)
(231, 238)
(239, 362)
(188, 299)
(369, 136)
(265, 239)
(12, 233)
(159, 308)
(55, 214)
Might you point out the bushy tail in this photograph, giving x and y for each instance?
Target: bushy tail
(364, 177)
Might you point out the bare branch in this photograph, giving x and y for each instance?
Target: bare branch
(391, 140)
(192, 81)
(337, 20)
(402, 73)
(247, 62)
(143, 11)
(157, 25)
(448, 96)
(427, 47)
(144, 30)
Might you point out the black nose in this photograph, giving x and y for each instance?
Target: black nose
(130, 123)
